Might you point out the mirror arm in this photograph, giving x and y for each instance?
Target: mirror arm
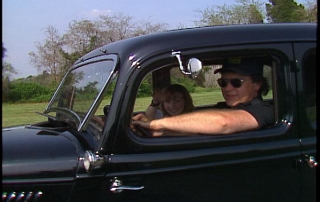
(177, 54)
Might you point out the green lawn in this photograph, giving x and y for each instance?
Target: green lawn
(20, 114)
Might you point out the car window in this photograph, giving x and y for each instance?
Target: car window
(309, 66)
(204, 89)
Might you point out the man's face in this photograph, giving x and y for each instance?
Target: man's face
(233, 95)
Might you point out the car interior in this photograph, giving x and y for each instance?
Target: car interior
(204, 89)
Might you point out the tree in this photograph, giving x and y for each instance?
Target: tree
(146, 27)
(253, 11)
(69, 60)
(82, 36)
(116, 27)
(311, 11)
(120, 26)
(58, 54)
(245, 12)
(48, 56)
(285, 11)
(7, 71)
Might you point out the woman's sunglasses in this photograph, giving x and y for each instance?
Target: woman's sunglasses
(236, 83)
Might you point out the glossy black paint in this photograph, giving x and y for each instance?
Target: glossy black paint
(33, 153)
(266, 165)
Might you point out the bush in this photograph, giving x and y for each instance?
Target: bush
(202, 89)
(186, 82)
(145, 89)
(28, 92)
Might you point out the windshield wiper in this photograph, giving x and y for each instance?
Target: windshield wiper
(48, 116)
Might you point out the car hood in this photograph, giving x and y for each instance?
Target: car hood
(31, 153)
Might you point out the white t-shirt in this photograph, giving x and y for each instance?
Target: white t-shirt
(158, 114)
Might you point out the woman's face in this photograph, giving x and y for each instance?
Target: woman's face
(174, 105)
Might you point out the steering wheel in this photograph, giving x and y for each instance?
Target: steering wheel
(98, 120)
(142, 131)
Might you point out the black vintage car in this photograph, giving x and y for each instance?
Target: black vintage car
(87, 150)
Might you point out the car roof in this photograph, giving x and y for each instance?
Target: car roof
(209, 36)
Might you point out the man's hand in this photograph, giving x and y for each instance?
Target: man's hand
(142, 121)
(140, 117)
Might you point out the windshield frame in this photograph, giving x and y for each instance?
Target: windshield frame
(83, 122)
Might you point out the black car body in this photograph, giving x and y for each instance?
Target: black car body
(87, 150)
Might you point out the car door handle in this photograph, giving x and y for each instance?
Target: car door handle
(117, 187)
(121, 188)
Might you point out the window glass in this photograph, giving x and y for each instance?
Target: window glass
(309, 66)
(204, 90)
(77, 95)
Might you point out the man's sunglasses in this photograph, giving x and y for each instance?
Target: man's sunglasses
(236, 83)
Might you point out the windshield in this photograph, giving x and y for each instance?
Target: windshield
(82, 90)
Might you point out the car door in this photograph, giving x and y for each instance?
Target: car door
(248, 166)
(305, 54)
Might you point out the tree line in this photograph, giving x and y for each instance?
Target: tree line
(59, 51)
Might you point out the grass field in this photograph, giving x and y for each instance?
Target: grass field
(22, 114)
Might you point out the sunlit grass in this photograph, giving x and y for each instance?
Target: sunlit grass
(22, 114)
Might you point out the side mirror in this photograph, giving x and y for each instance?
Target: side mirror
(193, 68)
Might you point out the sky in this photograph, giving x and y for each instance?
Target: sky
(24, 21)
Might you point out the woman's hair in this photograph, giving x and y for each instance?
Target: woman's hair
(177, 88)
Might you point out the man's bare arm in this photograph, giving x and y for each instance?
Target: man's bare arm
(224, 121)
